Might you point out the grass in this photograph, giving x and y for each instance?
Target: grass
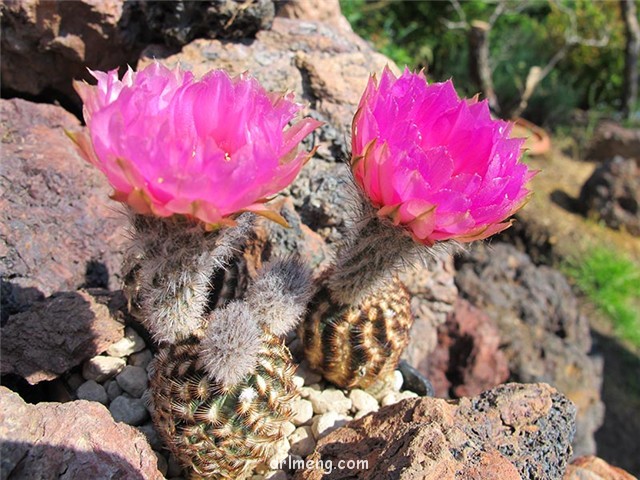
(612, 282)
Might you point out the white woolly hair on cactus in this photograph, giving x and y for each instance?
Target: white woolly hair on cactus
(372, 251)
(231, 343)
(279, 296)
(276, 301)
(176, 260)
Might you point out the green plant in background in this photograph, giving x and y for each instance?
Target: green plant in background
(612, 282)
(431, 35)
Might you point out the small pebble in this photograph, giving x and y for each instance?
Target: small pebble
(162, 464)
(330, 400)
(113, 389)
(133, 380)
(363, 402)
(302, 441)
(389, 399)
(141, 359)
(102, 368)
(280, 452)
(92, 391)
(326, 423)
(360, 414)
(298, 381)
(407, 394)
(256, 477)
(131, 411)
(131, 343)
(303, 412)
(74, 381)
(397, 380)
(288, 428)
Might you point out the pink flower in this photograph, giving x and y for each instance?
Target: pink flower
(434, 164)
(208, 149)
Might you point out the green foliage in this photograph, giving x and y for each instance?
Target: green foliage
(613, 284)
(420, 35)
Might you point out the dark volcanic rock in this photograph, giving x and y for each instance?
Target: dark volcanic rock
(611, 139)
(58, 228)
(45, 44)
(467, 359)
(511, 432)
(177, 23)
(612, 194)
(543, 336)
(76, 441)
(329, 68)
(55, 335)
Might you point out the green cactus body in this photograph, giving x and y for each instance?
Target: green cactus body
(352, 346)
(217, 432)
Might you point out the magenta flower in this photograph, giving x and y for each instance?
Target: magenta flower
(439, 166)
(208, 149)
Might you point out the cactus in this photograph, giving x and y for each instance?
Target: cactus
(358, 323)
(176, 272)
(220, 395)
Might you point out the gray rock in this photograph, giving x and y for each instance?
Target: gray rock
(92, 391)
(363, 402)
(102, 368)
(131, 411)
(133, 380)
(113, 389)
(141, 359)
(326, 423)
(302, 412)
(329, 400)
(130, 343)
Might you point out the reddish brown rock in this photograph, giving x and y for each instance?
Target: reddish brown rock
(292, 55)
(271, 240)
(433, 296)
(512, 432)
(467, 359)
(594, 468)
(76, 441)
(327, 11)
(45, 44)
(543, 334)
(58, 228)
(55, 335)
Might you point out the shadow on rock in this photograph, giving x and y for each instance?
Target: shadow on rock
(566, 201)
(618, 440)
(58, 333)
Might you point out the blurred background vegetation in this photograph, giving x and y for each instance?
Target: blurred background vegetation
(433, 35)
